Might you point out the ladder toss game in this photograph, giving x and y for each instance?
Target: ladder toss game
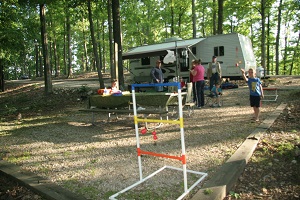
(141, 152)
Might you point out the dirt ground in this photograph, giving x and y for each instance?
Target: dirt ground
(274, 169)
(272, 173)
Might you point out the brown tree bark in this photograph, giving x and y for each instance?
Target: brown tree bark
(118, 39)
(263, 34)
(95, 48)
(111, 50)
(47, 71)
(278, 38)
(68, 25)
(1, 76)
(214, 18)
(194, 19)
(220, 16)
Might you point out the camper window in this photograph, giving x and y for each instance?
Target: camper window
(146, 61)
(216, 51)
(184, 61)
(194, 50)
(219, 51)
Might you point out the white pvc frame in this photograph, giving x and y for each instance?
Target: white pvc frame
(270, 97)
(182, 158)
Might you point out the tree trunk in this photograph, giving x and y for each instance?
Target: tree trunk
(194, 19)
(99, 46)
(1, 76)
(70, 72)
(180, 17)
(285, 56)
(278, 38)
(202, 23)
(104, 49)
(117, 39)
(294, 55)
(214, 19)
(41, 62)
(50, 55)
(95, 48)
(85, 57)
(263, 34)
(47, 72)
(220, 16)
(172, 19)
(267, 70)
(111, 51)
(56, 59)
(65, 49)
(37, 69)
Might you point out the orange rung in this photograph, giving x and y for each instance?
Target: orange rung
(180, 158)
(269, 88)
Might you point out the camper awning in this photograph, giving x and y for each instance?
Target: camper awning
(159, 49)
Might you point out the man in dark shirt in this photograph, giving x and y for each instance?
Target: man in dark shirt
(157, 75)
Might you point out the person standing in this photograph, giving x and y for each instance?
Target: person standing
(198, 78)
(193, 84)
(256, 91)
(157, 76)
(214, 72)
(217, 92)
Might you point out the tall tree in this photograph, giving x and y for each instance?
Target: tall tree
(278, 36)
(36, 45)
(214, 17)
(110, 38)
(220, 16)
(11, 39)
(69, 43)
(263, 33)
(95, 47)
(47, 71)
(1, 75)
(194, 19)
(295, 55)
(143, 22)
(118, 40)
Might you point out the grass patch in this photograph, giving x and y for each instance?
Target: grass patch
(19, 158)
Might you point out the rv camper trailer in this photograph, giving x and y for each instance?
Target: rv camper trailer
(234, 51)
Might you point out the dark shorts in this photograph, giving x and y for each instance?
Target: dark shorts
(255, 101)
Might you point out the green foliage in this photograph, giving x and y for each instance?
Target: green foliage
(234, 195)
(143, 22)
(286, 149)
(22, 157)
(9, 110)
(208, 191)
(83, 89)
(109, 193)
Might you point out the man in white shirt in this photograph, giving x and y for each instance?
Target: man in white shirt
(214, 72)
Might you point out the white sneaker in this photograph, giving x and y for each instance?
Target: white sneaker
(215, 105)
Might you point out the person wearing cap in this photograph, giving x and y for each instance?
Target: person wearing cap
(214, 72)
(157, 75)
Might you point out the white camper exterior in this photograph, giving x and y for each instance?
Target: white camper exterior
(234, 51)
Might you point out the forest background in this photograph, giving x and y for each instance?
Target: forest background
(56, 38)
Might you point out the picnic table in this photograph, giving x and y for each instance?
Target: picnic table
(154, 102)
(157, 99)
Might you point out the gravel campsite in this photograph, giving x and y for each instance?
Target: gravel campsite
(56, 141)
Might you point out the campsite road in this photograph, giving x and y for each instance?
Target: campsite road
(64, 83)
